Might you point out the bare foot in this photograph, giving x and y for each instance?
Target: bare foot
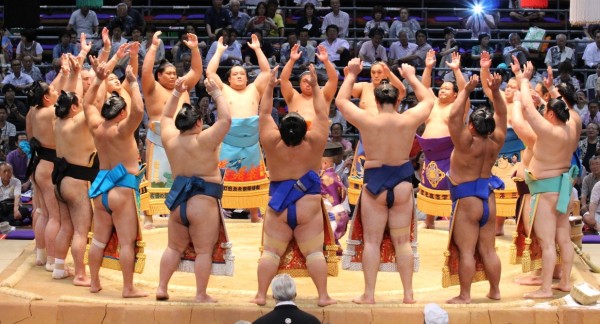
(259, 300)
(500, 233)
(495, 295)
(134, 293)
(161, 294)
(82, 281)
(459, 300)
(256, 220)
(538, 294)
(204, 298)
(149, 226)
(95, 287)
(562, 287)
(326, 301)
(364, 299)
(530, 281)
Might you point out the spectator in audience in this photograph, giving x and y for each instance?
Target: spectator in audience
(260, 21)
(565, 74)
(417, 57)
(581, 102)
(515, 49)
(19, 158)
(480, 23)
(378, 21)
(17, 110)
(8, 134)
(238, 18)
(21, 81)
(590, 180)
(123, 19)
(272, 6)
(483, 45)
(336, 130)
(592, 116)
(338, 18)
(285, 311)
(338, 49)
(53, 72)
(28, 46)
(84, 20)
(526, 16)
(302, 63)
(64, 46)
(405, 23)
(232, 55)
(30, 69)
(560, 53)
(216, 18)
(401, 49)
(138, 18)
(116, 37)
(180, 48)
(589, 145)
(309, 21)
(410, 100)
(447, 47)
(591, 55)
(252, 60)
(160, 53)
(372, 50)
(302, 3)
(592, 79)
(335, 116)
(6, 55)
(10, 198)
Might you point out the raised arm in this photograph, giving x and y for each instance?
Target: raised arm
(461, 137)
(320, 104)
(105, 52)
(519, 124)
(261, 80)
(429, 64)
(220, 128)
(85, 48)
(148, 81)
(167, 120)
(195, 73)
(500, 111)
(213, 64)
(426, 100)
(349, 110)
(332, 77)
(394, 81)
(60, 81)
(121, 53)
(91, 111)
(287, 90)
(134, 49)
(136, 113)
(74, 81)
(455, 66)
(268, 129)
(485, 62)
(538, 123)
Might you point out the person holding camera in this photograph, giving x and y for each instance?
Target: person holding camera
(10, 198)
(480, 23)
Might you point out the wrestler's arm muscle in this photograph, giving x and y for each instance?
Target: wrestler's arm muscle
(195, 73)
(287, 90)
(85, 48)
(429, 63)
(261, 80)
(520, 126)
(133, 61)
(148, 81)
(221, 127)
(357, 87)
(91, 112)
(330, 86)
(167, 121)
(395, 82)
(419, 113)
(28, 123)
(136, 113)
(461, 137)
(321, 122)
(485, 62)
(349, 110)
(268, 130)
(213, 64)
(73, 84)
(500, 111)
(105, 52)
(61, 78)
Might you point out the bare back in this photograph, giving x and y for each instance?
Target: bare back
(436, 125)
(156, 100)
(74, 140)
(201, 148)
(475, 161)
(42, 120)
(302, 105)
(286, 162)
(553, 150)
(243, 103)
(115, 148)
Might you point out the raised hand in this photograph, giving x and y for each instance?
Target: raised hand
(85, 46)
(535, 97)
(220, 46)
(181, 86)
(105, 37)
(430, 59)
(294, 53)
(549, 81)
(254, 44)
(494, 81)
(123, 50)
(322, 54)
(64, 64)
(131, 78)
(155, 38)
(528, 71)
(74, 64)
(313, 76)
(355, 66)
(99, 68)
(386, 70)
(485, 61)
(273, 80)
(472, 84)
(134, 49)
(406, 70)
(192, 41)
(455, 64)
(515, 66)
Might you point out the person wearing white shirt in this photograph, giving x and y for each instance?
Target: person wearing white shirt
(338, 18)
(591, 55)
(337, 48)
(401, 48)
(84, 20)
(372, 50)
(560, 52)
(592, 79)
(480, 23)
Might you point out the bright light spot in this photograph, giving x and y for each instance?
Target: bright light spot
(478, 8)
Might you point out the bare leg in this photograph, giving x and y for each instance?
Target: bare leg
(563, 238)
(42, 177)
(179, 239)
(63, 240)
(500, 225)
(430, 222)
(82, 224)
(255, 215)
(103, 226)
(400, 217)
(486, 245)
